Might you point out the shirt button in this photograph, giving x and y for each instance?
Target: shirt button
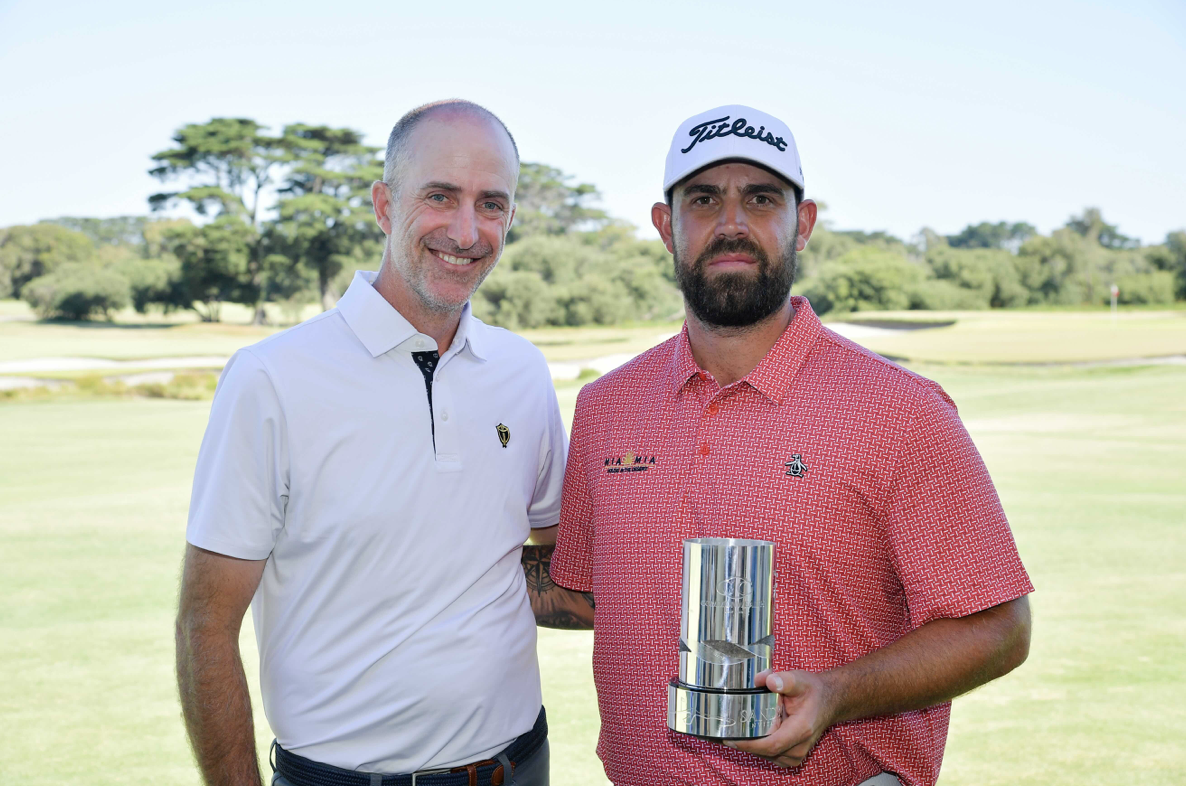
(444, 416)
(704, 450)
(713, 408)
(419, 343)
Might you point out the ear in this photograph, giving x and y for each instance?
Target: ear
(661, 218)
(381, 199)
(808, 213)
(510, 221)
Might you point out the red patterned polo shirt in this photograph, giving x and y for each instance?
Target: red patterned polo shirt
(881, 509)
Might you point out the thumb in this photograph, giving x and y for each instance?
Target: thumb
(784, 682)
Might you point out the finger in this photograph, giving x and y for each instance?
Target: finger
(788, 735)
(784, 682)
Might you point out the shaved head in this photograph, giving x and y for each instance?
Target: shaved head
(398, 141)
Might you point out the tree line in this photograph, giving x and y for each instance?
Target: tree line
(287, 219)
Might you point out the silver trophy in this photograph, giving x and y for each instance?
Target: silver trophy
(726, 638)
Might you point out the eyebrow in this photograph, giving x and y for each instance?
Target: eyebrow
(440, 185)
(763, 188)
(753, 188)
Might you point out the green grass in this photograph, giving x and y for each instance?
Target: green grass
(1000, 336)
(93, 497)
(133, 336)
(1023, 336)
(1091, 467)
(1090, 464)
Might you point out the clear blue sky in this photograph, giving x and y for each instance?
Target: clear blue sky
(906, 114)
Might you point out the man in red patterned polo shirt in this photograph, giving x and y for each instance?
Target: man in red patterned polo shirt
(899, 585)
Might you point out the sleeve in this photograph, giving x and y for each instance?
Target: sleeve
(572, 562)
(949, 538)
(241, 481)
(544, 510)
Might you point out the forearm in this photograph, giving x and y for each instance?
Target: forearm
(553, 605)
(216, 705)
(931, 665)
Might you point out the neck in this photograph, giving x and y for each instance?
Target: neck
(731, 353)
(440, 325)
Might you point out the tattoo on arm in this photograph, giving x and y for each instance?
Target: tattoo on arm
(554, 606)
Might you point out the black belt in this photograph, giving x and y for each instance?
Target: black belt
(305, 772)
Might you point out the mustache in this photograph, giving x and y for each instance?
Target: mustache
(734, 245)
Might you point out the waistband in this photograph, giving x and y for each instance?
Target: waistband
(306, 772)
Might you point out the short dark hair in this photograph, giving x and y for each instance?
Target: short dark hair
(398, 139)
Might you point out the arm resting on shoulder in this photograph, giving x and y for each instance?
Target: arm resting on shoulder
(928, 666)
(215, 593)
(554, 606)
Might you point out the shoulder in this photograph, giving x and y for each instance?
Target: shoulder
(314, 335)
(864, 375)
(641, 375)
(505, 347)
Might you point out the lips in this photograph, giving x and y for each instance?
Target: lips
(733, 259)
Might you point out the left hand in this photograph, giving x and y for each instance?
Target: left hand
(804, 714)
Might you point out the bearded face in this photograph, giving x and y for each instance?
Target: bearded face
(736, 298)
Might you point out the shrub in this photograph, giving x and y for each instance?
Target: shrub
(76, 291)
(515, 299)
(990, 276)
(29, 252)
(1156, 286)
(866, 278)
(944, 295)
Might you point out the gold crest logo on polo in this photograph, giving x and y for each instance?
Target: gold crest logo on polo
(504, 434)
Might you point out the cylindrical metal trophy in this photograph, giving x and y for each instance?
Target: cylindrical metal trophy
(726, 638)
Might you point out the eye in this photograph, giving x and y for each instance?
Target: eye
(701, 200)
(491, 206)
(438, 198)
(762, 199)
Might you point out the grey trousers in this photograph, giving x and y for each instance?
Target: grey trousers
(533, 772)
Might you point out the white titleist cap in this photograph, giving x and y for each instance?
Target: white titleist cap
(732, 131)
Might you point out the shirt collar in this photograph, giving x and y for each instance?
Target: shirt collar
(381, 328)
(773, 375)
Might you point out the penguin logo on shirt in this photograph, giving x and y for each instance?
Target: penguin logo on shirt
(796, 468)
(504, 434)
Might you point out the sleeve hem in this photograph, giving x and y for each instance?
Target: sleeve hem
(956, 608)
(229, 548)
(571, 584)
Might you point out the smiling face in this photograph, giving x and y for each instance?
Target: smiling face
(447, 218)
(734, 231)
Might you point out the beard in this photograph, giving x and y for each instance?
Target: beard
(434, 292)
(740, 299)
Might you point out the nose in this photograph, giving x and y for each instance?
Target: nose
(731, 221)
(463, 229)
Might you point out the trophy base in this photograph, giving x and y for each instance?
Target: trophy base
(719, 714)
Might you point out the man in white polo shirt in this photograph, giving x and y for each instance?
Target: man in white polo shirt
(366, 482)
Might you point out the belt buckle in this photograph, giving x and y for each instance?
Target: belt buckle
(418, 773)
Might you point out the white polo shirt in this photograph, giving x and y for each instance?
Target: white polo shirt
(394, 627)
